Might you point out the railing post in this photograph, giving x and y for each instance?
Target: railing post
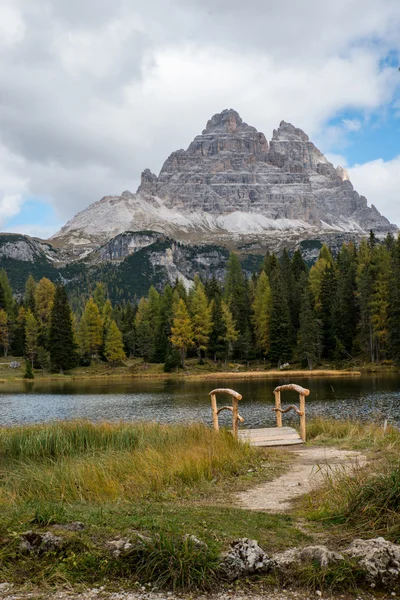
(303, 417)
(278, 405)
(214, 409)
(235, 414)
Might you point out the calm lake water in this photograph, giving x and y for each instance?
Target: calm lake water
(170, 401)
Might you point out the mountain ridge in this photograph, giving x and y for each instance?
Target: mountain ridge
(232, 185)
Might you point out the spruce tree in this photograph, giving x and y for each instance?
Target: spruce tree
(165, 318)
(145, 331)
(309, 338)
(7, 295)
(394, 303)
(325, 312)
(218, 342)
(236, 293)
(345, 305)
(61, 336)
(280, 350)
(29, 297)
(31, 336)
(230, 335)
(262, 313)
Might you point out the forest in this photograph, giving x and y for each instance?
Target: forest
(343, 308)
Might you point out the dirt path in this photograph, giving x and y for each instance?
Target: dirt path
(306, 472)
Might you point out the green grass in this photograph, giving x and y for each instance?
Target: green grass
(164, 481)
(363, 501)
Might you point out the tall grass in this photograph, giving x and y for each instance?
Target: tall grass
(80, 461)
(353, 434)
(365, 500)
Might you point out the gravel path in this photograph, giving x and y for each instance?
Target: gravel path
(99, 594)
(307, 472)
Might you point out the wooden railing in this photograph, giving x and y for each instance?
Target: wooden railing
(300, 411)
(234, 408)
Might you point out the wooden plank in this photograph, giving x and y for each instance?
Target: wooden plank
(271, 436)
(270, 443)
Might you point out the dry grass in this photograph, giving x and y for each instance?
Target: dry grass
(81, 461)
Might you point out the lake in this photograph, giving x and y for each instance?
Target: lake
(171, 400)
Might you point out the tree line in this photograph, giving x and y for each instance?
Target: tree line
(342, 307)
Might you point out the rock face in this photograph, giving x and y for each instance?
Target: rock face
(234, 187)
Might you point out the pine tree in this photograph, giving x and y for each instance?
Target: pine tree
(309, 338)
(61, 336)
(90, 332)
(31, 336)
(280, 324)
(262, 313)
(44, 299)
(181, 330)
(201, 317)
(114, 344)
(4, 331)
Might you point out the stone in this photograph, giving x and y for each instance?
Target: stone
(195, 541)
(379, 558)
(245, 557)
(32, 541)
(126, 546)
(319, 554)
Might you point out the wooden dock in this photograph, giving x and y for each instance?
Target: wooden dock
(270, 436)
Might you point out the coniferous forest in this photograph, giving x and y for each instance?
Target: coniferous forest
(343, 308)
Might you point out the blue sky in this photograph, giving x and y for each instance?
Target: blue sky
(94, 93)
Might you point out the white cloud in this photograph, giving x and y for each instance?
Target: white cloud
(338, 160)
(379, 181)
(93, 92)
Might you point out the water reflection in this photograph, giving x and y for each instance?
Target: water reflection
(171, 400)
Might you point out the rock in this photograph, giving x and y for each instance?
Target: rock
(230, 184)
(73, 526)
(126, 546)
(245, 557)
(379, 558)
(319, 554)
(32, 541)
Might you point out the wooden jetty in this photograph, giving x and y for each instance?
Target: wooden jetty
(267, 436)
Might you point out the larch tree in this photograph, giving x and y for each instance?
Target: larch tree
(100, 296)
(114, 344)
(31, 336)
(91, 330)
(231, 334)
(8, 302)
(4, 331)
(181, 330)
(217, 344)
(44, 299)
(262, 313)
(61, 335)
(201, 317)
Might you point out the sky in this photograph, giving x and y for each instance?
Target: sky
(94, 92)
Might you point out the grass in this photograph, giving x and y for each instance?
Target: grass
(363, 501)
(163, 481)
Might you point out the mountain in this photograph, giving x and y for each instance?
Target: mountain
(233, 188)
(230, 190)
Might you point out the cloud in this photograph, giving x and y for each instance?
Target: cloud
(93, 92)
(379, 181)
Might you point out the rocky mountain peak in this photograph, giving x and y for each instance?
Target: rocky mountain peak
(287, 132)
(227, 121)
(231, 186)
